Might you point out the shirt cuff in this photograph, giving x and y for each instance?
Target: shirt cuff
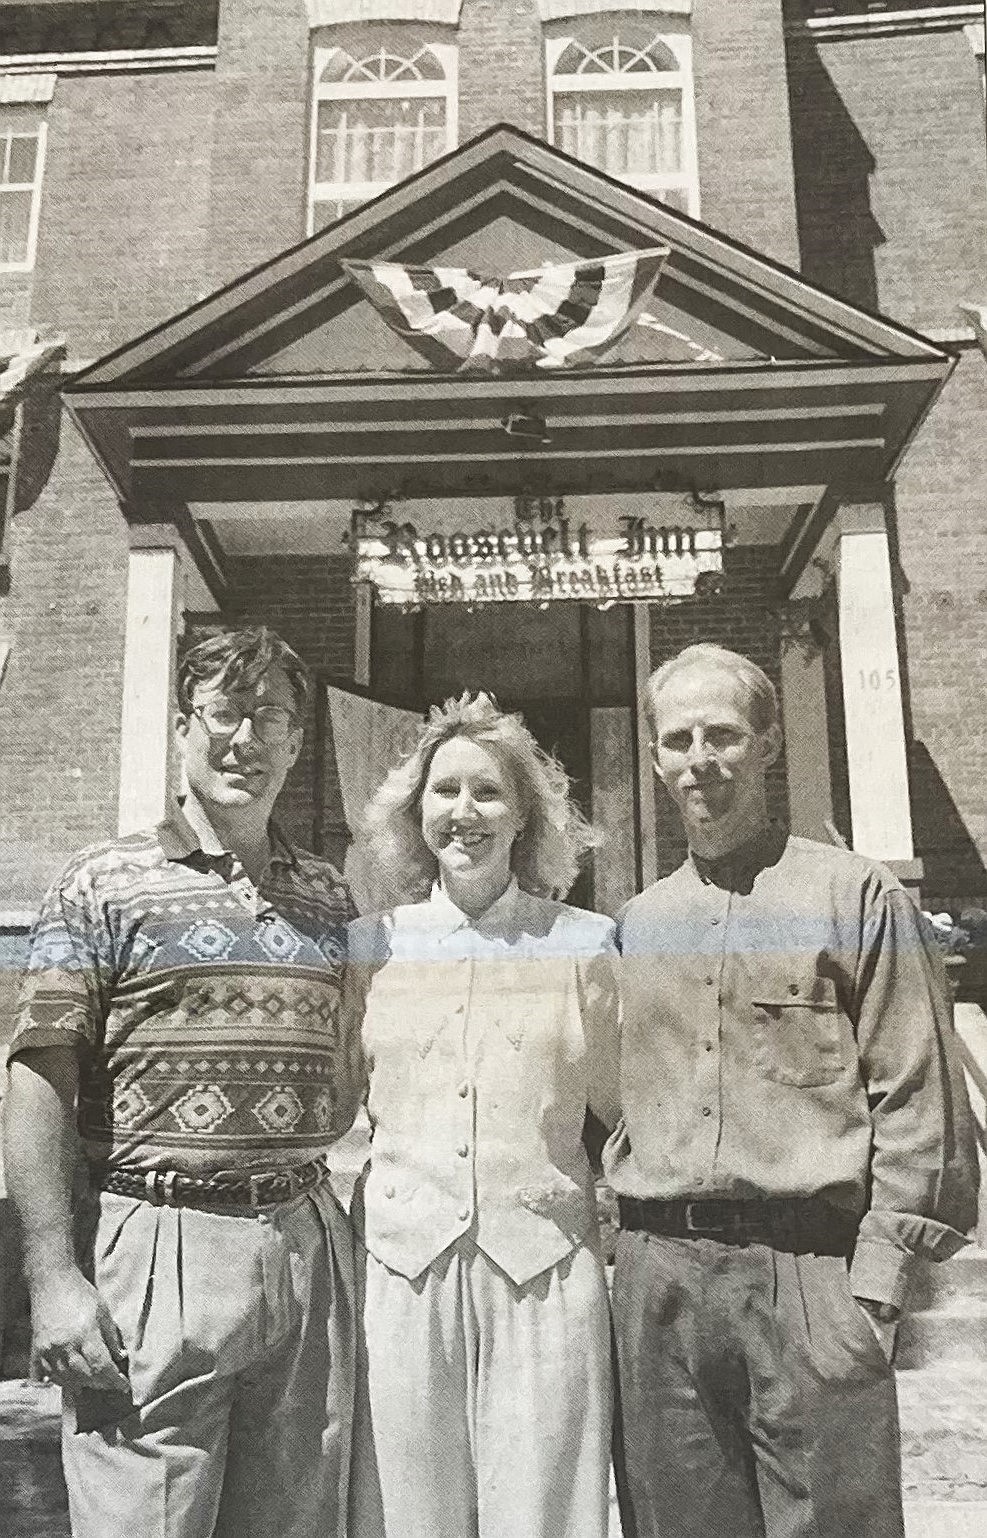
(881, 1271)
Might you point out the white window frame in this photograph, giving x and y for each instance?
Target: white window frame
(446, 89)
(679, 45)
(34, 187)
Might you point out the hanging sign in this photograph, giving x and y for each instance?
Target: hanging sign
(538, 550)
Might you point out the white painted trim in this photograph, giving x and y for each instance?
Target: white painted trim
(647, 819)
(940, 18)
(146, 727)
(361, 192)
(334, 13)
(17, 918)
(16, 90)
(36, 187)
(680, 45)
(562, 10)
(110, 61)
(877, 763)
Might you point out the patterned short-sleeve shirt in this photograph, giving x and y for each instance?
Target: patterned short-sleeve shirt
(206, 1010)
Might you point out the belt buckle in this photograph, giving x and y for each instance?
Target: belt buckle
(159, 1186)
(694, 1225)
(270, 1187)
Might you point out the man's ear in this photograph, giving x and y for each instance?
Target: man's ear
(295, 744)
(181, 726)
(772, 743)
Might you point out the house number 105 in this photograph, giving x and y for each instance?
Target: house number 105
(877, 678)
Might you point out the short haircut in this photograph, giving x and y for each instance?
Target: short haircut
(556, 835)
(761, 693)
(237, 659)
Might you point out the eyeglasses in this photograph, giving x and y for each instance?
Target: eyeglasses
(272, 724)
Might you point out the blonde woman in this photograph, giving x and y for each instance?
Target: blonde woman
(490, 1027)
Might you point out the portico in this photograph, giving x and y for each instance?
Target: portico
(252, 426)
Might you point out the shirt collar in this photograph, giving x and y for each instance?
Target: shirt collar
(501, 918)
(179, 841)
(738, 869)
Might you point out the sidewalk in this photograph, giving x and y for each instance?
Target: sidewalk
(944, 1456)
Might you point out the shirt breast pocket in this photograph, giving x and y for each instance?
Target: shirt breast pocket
(797, 1035)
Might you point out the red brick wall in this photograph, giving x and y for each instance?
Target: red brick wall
(742, 124)
(123, 205)
(60, 700)
(743, 617)
(501, 66)
(941, 495)
(261, 134)
(892, 172)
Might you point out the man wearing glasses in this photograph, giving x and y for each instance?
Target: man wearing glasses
(180, 1018)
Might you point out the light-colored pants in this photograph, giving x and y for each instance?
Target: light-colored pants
(240, 1335)
(484, 1409)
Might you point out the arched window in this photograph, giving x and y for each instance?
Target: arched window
(621, 99)
(377, 118)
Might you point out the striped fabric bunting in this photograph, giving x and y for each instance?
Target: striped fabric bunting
(563, 315)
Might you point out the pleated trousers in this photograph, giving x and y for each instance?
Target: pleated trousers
(240, 1335)
(484, 1409)
(754, 1398)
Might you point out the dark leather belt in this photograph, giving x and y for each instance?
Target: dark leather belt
(167, 1188)
(798, 1224)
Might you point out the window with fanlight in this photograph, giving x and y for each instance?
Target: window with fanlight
(620, 97)
(378, 116)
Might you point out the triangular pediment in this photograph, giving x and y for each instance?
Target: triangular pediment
(502, 202)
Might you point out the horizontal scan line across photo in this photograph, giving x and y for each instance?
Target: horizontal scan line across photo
(493, 853)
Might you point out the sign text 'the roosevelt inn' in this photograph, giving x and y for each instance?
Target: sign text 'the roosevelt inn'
(538, 549)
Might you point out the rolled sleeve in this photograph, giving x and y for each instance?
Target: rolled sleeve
(923, 1171)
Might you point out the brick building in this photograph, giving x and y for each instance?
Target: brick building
(196, 396)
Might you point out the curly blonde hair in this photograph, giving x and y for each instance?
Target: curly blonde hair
(550, 847)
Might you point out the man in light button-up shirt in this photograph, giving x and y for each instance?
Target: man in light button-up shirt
(795, 1132)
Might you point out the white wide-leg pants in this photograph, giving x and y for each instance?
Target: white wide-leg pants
(483, 1408)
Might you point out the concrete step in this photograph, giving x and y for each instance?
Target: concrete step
(953, 1333)
(944, 1449)
(965, 1276)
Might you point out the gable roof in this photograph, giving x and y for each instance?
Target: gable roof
(565, 208)
(286, 382)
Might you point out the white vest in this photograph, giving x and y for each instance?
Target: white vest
(485, 1041)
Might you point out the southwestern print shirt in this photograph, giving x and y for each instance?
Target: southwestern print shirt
(205, 1009)
(787, 1033)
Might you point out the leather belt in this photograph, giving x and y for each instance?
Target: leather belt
(168, 1188)
(797, 1224)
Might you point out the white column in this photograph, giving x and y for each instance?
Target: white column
(877, 765)
(146, 727)
(803, 709)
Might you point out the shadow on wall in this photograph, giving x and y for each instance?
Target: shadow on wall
(955, 873)
(838, 233)
(40, 438)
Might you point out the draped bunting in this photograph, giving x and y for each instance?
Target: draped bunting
(561, 315)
